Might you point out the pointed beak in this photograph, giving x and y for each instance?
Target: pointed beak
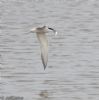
(53, 30)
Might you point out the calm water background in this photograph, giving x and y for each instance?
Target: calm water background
(73, 68)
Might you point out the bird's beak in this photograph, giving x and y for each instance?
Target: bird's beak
(53, 30)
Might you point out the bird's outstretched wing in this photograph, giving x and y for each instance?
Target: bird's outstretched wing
(44, 48)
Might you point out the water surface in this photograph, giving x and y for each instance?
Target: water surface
(73, 67)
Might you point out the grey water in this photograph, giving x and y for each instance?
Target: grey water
(73, 66)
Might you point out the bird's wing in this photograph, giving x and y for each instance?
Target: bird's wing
(44, 48)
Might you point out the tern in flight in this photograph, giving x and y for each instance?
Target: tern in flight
(41, 35)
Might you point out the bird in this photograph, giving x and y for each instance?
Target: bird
(41, 35)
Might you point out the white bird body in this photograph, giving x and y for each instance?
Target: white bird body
(41, 35)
